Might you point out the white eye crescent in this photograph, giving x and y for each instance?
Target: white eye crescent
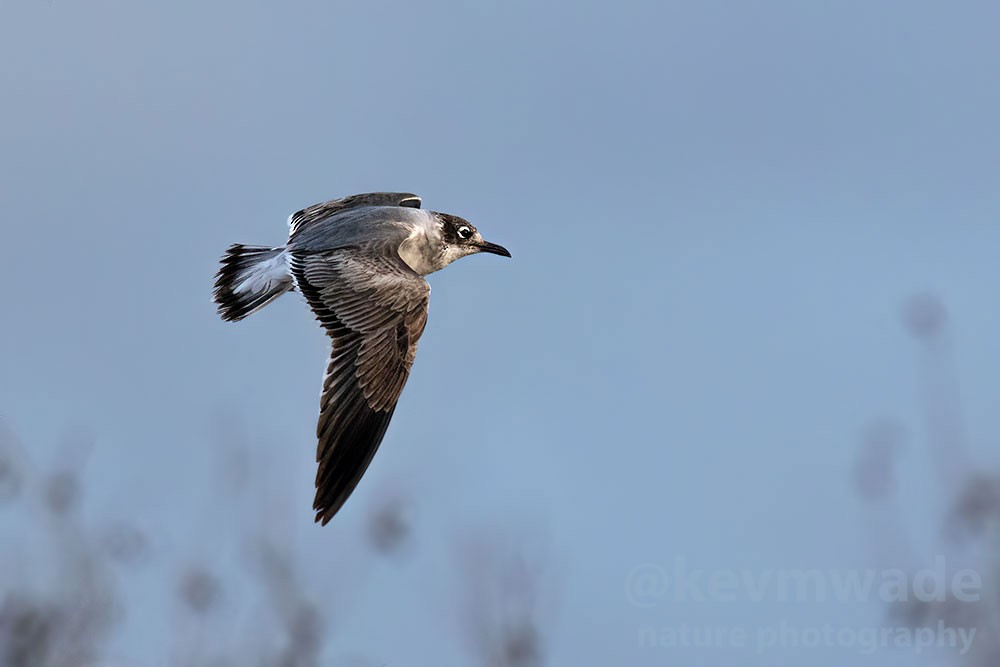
(464, 232)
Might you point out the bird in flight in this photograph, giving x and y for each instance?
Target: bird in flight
(360, 263)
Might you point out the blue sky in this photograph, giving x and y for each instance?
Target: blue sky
(715, 212)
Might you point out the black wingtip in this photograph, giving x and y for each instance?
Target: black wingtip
(354, 444)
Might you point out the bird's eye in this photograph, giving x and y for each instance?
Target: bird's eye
(464, 232)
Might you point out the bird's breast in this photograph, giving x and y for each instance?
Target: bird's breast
(421, 250)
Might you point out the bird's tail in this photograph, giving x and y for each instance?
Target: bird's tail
(250, 278)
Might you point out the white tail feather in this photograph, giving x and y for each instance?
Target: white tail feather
(250, 278)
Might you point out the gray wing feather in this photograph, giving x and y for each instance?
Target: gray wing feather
(366, 225)
(374, 309)
(316, 213)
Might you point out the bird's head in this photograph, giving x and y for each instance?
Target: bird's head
(461, 239)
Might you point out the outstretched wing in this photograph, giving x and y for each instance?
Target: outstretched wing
(374, 307)
(319, 212)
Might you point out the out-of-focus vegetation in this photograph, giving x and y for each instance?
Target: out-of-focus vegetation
(970, 534)
(62, 600)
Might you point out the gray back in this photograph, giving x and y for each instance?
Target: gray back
(317, 213)
(367, 225)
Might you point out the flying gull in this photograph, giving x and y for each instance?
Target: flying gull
(360, 262)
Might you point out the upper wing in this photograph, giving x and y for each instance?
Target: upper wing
(374, 307)
(319, 212)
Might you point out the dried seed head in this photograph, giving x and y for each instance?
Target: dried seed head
(925, 316)
(388, 527)
(62, 492)
(199, 590)
(126, 544)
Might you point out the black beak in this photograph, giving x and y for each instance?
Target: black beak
(493, 248)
